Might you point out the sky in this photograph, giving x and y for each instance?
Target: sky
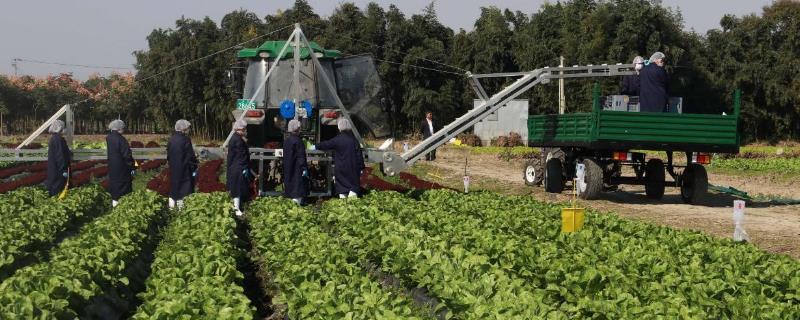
(106, 32)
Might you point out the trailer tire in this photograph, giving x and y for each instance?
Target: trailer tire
(694, 184)
(553, 176)
(592, 183)
(534, 172)
(654, 179)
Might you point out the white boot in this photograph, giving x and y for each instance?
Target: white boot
(114, 203)
(179, 204)
(352, 194)
(236, 202)
(171, 203)
(298, 201)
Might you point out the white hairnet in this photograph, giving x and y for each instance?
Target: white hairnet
(294, 125)
(182, 125)
(116, 125)
(56, 127)
(657, 55)
(239, 124)
(638, 63)
(344, 124)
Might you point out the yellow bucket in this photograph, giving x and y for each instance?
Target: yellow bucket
(572, 219)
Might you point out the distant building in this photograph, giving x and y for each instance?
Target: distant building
(513, 117)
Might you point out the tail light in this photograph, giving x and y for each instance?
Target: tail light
(254, 113)
(701, 158)
(623, 156)
(331, 115)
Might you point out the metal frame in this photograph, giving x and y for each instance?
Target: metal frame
(299, 40)
(393, 163)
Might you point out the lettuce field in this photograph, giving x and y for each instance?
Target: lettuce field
(437, 254)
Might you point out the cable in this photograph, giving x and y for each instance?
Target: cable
(70, 64)
(406, 53)
(213, 54)
(408, 65)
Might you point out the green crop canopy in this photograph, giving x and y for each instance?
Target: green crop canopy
(274, 47)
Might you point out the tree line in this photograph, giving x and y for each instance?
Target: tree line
(422, 62)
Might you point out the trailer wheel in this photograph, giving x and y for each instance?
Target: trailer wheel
(592, 184)
(553, 176)
(694, 183)
(534, 172)
(654, 179)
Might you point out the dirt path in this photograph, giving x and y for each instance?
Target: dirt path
(772, 228)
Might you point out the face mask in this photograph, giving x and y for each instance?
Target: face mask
(638, 66)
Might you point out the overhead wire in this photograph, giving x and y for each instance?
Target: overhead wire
(71, 64)
(408, 65)
(406, 53)
(238, 45)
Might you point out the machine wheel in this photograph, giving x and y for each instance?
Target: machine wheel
(654, 179)
(553, 176)
(592, 184)
(694, 183)
(534, 172)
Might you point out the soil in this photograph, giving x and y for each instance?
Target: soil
(772, 228)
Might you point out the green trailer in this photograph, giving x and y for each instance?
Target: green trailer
(593, 147)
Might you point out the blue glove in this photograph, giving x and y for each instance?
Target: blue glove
(194, 174)
(245, 173)
(133, 172)
(361, 173)
(305, 173)
(312, 147)
(65, 174)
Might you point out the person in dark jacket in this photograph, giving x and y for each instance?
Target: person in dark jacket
(654, 81)
(238, 162)
(120, 162)
(58, 160)
(182, 164)
(427, 131)
(630, 83)
(295, 165)
(347, 159)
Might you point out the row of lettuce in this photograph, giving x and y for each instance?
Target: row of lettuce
(81, 259)
(485, 256)
(475, 256)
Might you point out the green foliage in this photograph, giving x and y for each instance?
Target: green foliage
(20, 200)
(26, 232)
(777, 165)
(613, 268)
(468, 283)
(314, 273)
(195, 274)
(85, 266)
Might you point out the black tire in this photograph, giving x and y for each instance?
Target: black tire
(533, 173)
(654, 179)
(592, 183)
(694, 183)
(553, 176)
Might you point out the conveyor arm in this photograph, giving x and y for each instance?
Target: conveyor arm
(394, 163)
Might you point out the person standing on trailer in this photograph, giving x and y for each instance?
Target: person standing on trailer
(347, 159)
(295, 165)
(653, 96)
(630, 83)
(58, 160)
(238, 163)
(182, 164)
(121, 167)
(427, 131)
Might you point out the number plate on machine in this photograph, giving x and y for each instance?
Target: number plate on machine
(245, 104)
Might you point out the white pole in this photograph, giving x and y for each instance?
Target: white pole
(562, 100)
